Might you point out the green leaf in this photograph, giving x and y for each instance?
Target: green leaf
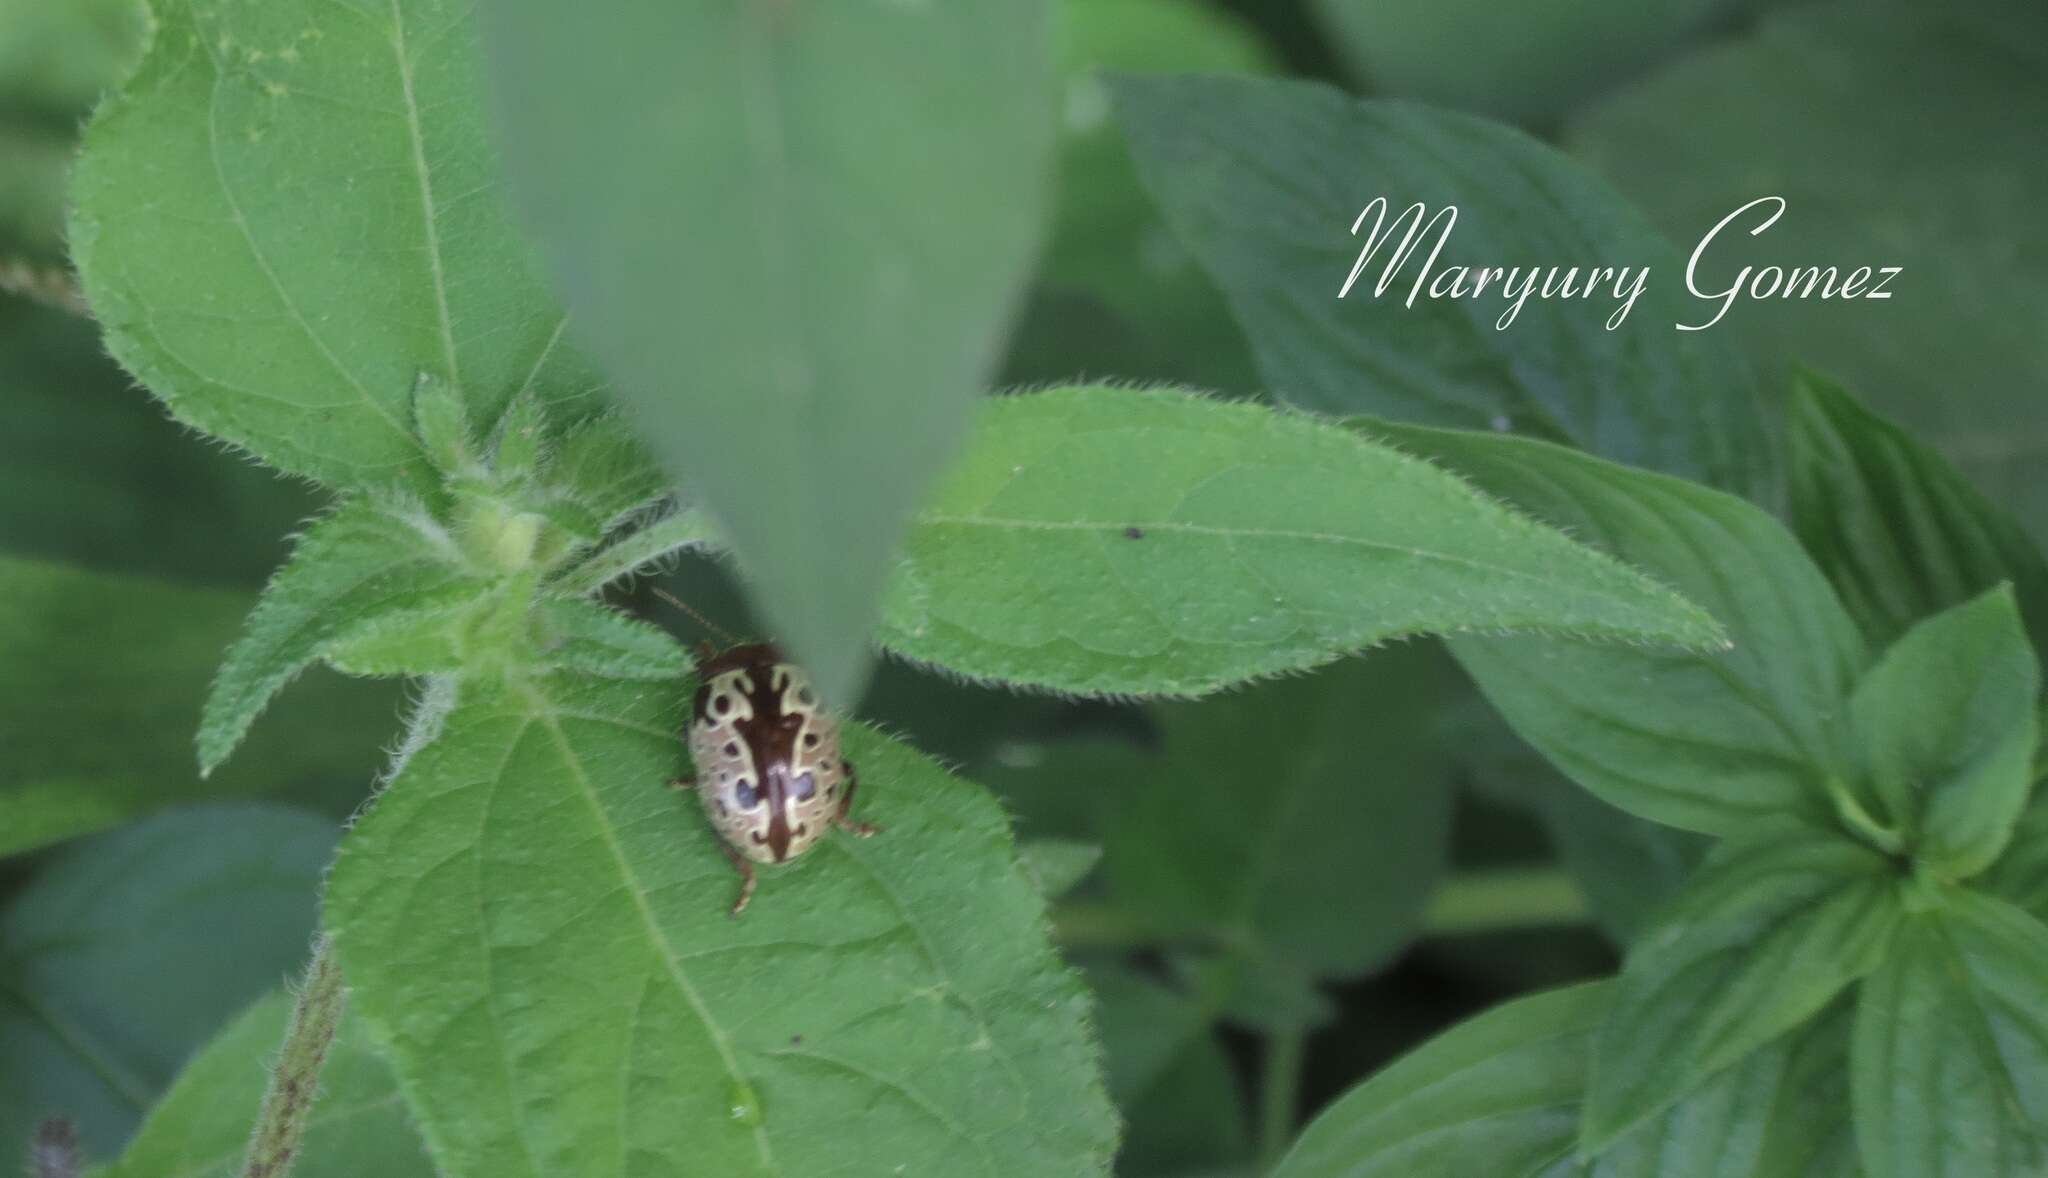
(1179, 1097)
(1767, 933)
(1527, 63)
(56, 59)
(1109, 540)
(1950, 1065)
(103, 678)
(583, 636)
(529, 913)
(91, 472)
(2021, 874)
(363, 560)
(1811, 1135)
(1707, 741)
(1497, 1095)
(1897, 530)
(1266, 803)
(1901, 134)
(1629, 868)
(129, 950)
(1946, 721)
(806, 355)
(200, 1129)
(291, 212)
(638, 551)
(603, 464)
(1261, 179)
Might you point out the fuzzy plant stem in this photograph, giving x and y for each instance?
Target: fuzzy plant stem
(296, 1078)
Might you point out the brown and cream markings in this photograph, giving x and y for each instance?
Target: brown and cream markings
(769, 771)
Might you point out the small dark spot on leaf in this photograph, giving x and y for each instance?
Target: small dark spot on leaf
(1134, 533)
(796, 1040)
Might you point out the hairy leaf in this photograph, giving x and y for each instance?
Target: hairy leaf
(1762, 939)
(200, 1129)
(1111, 540)
(1897, 530)
(813, 222)
(536, 926)
(132, 948)
(1946, 722)
(291, 212)
(1950, 1065)
(1704, 740)
(1264, 180)
(103, 678)
(362, 561)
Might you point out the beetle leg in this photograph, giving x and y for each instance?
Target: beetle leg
(839, 818)
(746, 870)
(683, 783)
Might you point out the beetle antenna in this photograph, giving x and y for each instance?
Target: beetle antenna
(703, 621)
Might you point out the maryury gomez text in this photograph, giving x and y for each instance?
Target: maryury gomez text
(1516, 285)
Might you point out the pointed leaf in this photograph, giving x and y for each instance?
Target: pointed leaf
(1897, 530)
(200, 1129)
(1946, 720)
(363, 560)
(1263, 181)
(1950, 1065)
(1762, 938)
(291, 212)
(1704, 740)
(1110, 540)
(529, 916)
(813, 222)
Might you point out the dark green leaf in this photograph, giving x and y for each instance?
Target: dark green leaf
(1950, 1064)
(1810, 1134)
(1628, 867)
(1108, 540)
(291, 212)
(1263, 805)
(1261, 179)
(529, 913)
(1946, 722)
(1766, 934)
(1180, 1100)
(55, 59)
(200, 1129)
(103, 678)
(1707, 741)
(362, 561)
(1901, 134)
(129, 950)
(813, 222)
(2021, 874)
(1057, 866)
(1897, 530)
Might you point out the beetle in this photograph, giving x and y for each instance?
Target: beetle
(769, 771)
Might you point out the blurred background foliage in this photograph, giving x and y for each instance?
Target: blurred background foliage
(1334, 866)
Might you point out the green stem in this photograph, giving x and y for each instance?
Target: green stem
(1861, 823)
(1280, 1094)
(296, 1079)
(1507, 898)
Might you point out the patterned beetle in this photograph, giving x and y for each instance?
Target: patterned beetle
(769, 771)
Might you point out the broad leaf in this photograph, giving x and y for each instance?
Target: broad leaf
(56, 59)
(1261, 807)
(1704, 740)
(2021, 874)
(364, 560)
(103, 678)
(200, 1129)
(1764, 936)
(1900, 134)
(290, 213)
(1628, 867)
(1811, 1135)
(1264, 182)
(529, 913)
(1946, 723)
(129, 950)
(1109, 540)
(1182, 1107)
(1497, 1095)
(1527, 63)
(1950, 1066)
(813, 222)
(1897, 530)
